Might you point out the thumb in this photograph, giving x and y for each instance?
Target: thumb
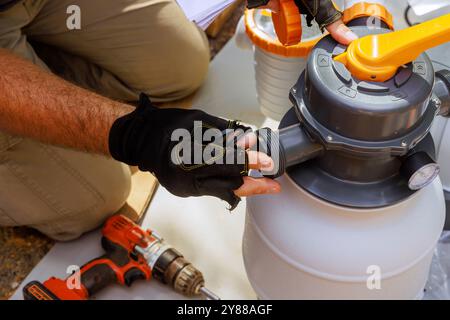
(341, 33)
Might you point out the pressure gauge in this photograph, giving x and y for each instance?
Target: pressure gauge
(420, 170)
(424, 176)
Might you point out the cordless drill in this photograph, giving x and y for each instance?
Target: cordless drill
(131, 254)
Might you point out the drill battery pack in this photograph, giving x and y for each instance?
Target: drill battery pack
(37, 291)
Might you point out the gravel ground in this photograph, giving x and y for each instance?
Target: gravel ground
(227, 32)
(22, 248)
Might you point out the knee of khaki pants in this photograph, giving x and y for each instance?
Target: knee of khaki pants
(62, 193)
(150, 47)
(190, 72)
(174, 63)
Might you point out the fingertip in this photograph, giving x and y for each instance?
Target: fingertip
(260, 161)
(267, 164)
(341, 33)
(276, 188)
(271, 186)
(350, 35)
(247, 141)
(258, 186)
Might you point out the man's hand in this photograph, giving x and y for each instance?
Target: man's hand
(335, 26)
(39, 105)
(258, 161)
(191, 152)
(341, 33)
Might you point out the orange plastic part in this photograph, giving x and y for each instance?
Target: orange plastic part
(272, 45)
(288, 23)
(366, 9)
(38, 293)
(59, 288)
(378, 57)
(124, 232)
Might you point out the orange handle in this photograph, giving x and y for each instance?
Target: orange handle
(378, 57)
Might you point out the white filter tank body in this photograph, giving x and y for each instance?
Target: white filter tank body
(297, 246)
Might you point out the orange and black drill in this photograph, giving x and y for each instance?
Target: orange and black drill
(131, 254)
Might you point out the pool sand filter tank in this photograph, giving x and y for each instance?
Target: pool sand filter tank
(441, 135)
(362, 206)
(420, 11)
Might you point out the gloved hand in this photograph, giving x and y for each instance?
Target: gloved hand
(323, 11)
(325, 14)
(143, 138)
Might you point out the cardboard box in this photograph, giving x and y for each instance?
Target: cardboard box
(214, 29)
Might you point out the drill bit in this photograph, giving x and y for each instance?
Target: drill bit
(208, 294)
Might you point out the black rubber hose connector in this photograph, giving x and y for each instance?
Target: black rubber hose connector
(287, 147)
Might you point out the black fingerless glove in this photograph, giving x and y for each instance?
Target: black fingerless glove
(143, 138)
(323, 11)
(251, 4)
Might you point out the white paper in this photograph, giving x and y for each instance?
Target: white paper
(203, 12)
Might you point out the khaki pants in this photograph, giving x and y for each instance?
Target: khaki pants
(124, 47)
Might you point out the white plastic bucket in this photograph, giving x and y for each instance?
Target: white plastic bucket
(275, 74)
(272, 74)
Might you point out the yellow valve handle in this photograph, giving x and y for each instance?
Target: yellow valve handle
(378, 57)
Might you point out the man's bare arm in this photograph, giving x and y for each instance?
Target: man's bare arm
(37, 104)
(42, 106)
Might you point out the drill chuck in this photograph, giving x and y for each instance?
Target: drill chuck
(185, 278)
(171, 268)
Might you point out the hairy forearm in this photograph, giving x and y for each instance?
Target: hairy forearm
(39, 105)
